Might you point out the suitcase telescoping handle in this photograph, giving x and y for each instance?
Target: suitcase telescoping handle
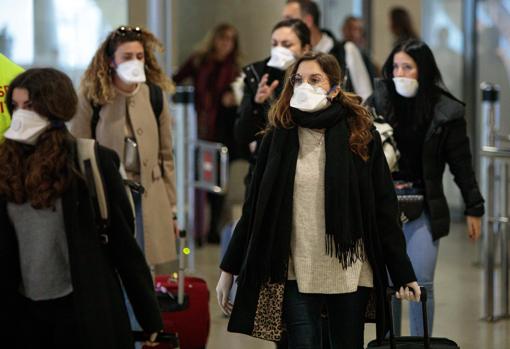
(390, 292)
(181, 275)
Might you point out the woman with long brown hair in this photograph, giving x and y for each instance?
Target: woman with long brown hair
(320, 225)
(60, 285)
(212, 68)
(401, 25)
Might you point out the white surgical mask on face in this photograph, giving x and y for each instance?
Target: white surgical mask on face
(309, 99)
(406, 87)
(281, 58)
(26, 126)
(131, 72)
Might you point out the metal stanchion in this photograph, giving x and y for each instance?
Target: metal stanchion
(495, 157)
(504, 275)
(183, 137)
(198, 164)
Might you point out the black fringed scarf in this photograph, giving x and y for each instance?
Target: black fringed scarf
(270, 201)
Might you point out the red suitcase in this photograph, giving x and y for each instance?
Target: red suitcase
(191, 320)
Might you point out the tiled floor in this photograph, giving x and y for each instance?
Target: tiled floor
(458, 301)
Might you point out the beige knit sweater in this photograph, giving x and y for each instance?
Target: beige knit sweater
(314, 270)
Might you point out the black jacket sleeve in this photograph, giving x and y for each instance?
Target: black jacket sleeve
(252, 116)
(10, 314)
(9, 259)
(236, 251)
(388, 227)
(127, 257)
(458, 157)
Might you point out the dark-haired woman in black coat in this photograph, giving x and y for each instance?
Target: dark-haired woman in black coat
(430, 131)
(61, 277)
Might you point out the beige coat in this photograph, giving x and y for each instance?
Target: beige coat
(156, 160)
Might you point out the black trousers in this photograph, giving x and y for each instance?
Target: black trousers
(302, 316)
(48, 324)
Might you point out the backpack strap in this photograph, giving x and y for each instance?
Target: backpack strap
(156, 97)
(87, 159)
(95, 119)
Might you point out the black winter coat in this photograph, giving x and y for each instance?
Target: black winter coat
(446, 142)
(258, 308)
(98, 300)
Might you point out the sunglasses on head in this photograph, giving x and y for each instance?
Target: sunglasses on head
(125, 30)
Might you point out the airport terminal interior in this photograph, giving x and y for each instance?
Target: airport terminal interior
(469, 39)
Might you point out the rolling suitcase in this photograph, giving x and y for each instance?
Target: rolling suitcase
(184, 305)
(425, 342)
(191, 319)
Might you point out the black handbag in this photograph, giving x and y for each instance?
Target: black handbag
(410, 201)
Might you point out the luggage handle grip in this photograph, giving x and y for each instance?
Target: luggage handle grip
(162, 337)
(390, 292)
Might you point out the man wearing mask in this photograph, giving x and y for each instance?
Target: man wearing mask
(356, 76)
(8, 71)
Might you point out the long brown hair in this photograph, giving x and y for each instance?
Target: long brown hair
(206, 48)
(401, 24)
(359, 119)
(97, 84)
(42, 173)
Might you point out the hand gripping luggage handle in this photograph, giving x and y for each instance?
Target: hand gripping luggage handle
(162, 337)
(390, 292)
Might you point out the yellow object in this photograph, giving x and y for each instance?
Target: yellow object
(186, 251)
(8, 71)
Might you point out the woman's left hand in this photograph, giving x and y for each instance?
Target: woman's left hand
(474, 227)
(228, 100)
(406, 294)
(152, 340)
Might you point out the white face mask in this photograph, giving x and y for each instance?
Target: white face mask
(26, 126)
(309, 99)
(281, 58)
(406, 87)
(131, 72)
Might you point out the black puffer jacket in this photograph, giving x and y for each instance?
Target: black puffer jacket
(253, 116)
(446, 142)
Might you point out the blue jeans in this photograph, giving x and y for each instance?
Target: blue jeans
(302, 317)
(137, 198)
(422, 251)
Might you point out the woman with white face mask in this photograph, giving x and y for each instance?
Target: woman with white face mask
(319, 228)
(430, 132)
(122, 105)
(60, 284)
(264, 81)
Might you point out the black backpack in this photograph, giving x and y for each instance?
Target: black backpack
(156, 98)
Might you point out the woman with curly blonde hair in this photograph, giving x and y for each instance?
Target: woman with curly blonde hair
(320, 224)
(122, 105)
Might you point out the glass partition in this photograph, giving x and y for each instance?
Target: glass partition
(59, 33)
